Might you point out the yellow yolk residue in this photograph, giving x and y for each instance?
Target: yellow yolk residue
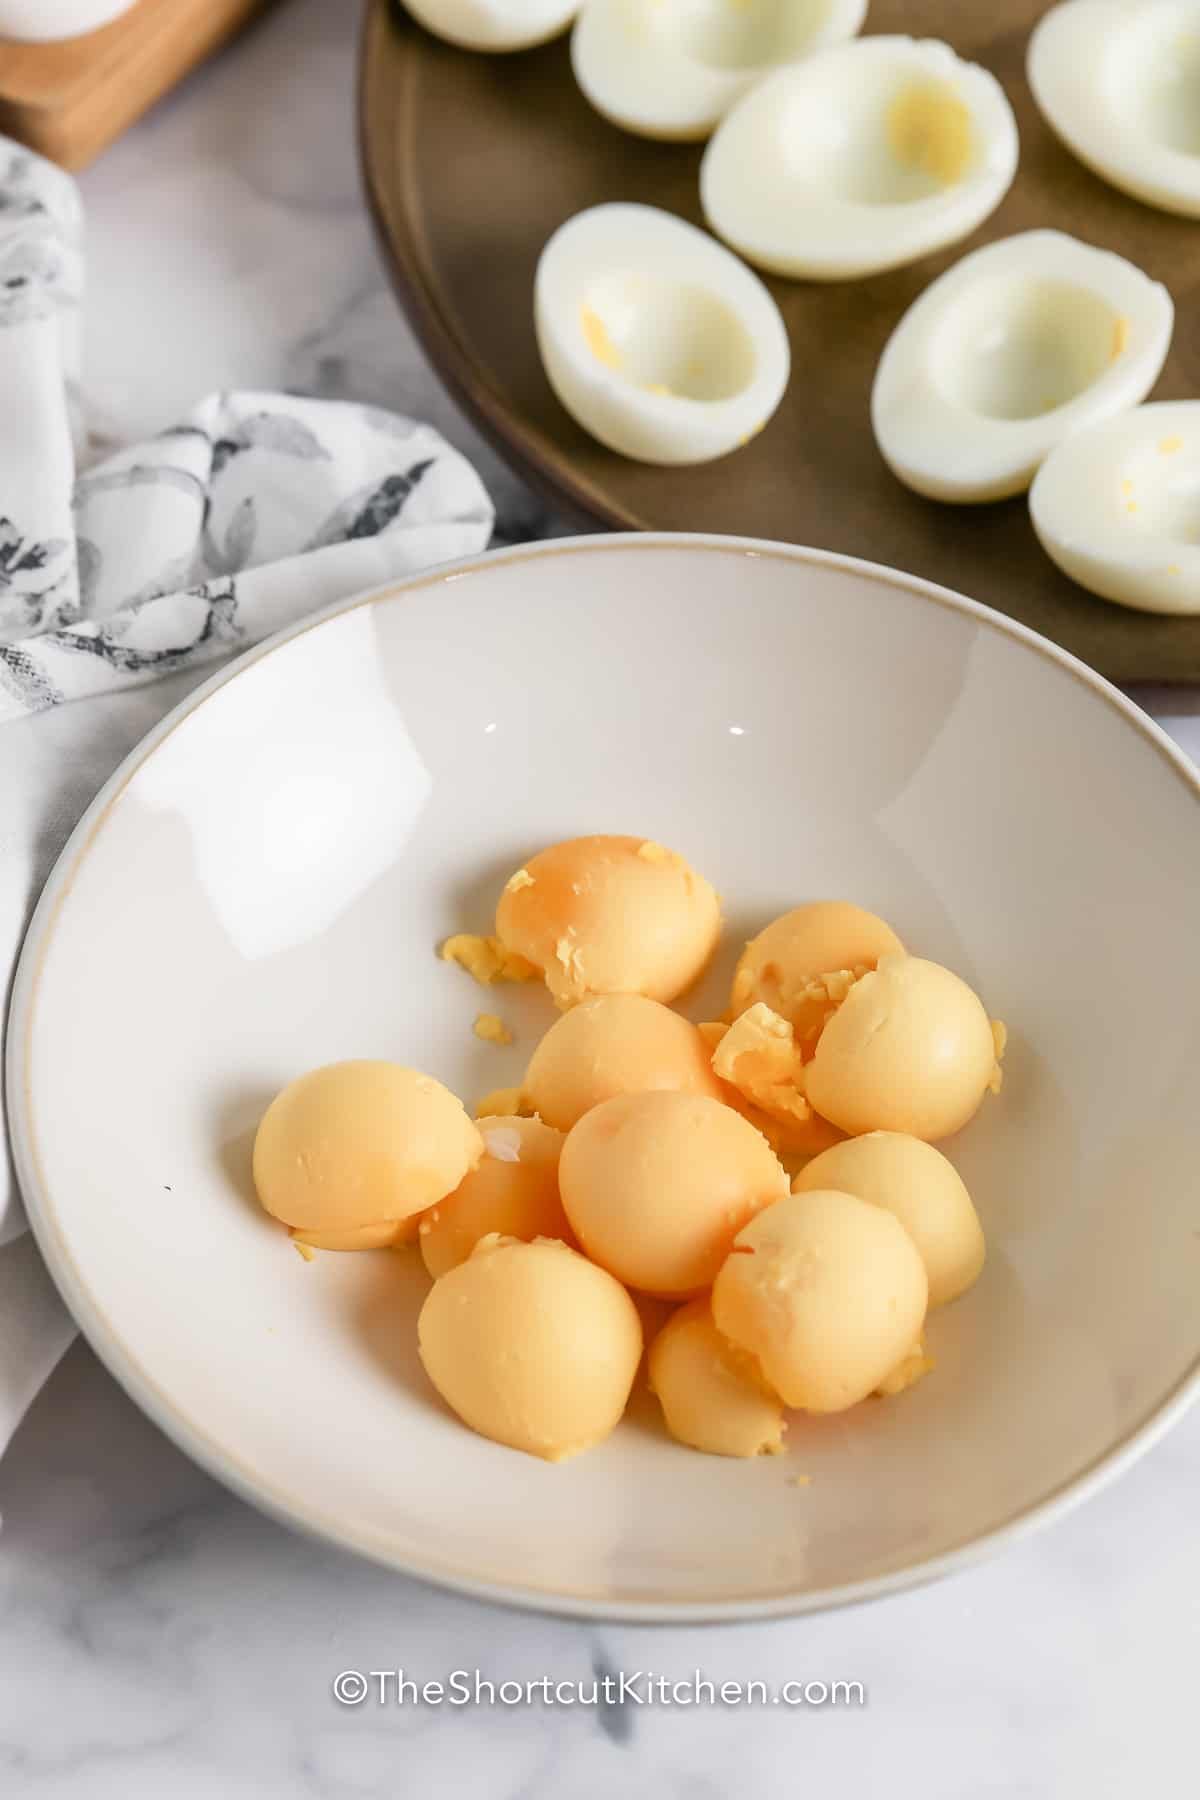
(304, 1250)
(486, 959)
(522, 879)
(1120, 336)
(491, 1029)
(595, 336)
(1169, 445)
(1000, 1043)
(929, 128)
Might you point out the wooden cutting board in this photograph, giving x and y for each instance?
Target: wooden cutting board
(471, 163)
(68, 100)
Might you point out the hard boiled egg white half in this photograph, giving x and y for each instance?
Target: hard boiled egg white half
(671, 68)
(494, 24)
(657, 340)
(1120, 84)
(864, 157)
(1117, 507)
(1016, 346)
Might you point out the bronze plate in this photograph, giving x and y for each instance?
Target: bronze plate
(472, 161)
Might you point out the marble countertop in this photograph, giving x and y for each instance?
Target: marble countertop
(157, 1637)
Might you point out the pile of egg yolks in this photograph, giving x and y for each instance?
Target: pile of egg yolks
(628, 1204)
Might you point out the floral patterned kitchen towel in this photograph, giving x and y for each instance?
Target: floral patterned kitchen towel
(123, 584)
(253, 512)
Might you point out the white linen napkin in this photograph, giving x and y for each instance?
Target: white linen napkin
(121, 589)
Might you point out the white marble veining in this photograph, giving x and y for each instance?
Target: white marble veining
(157, 1637)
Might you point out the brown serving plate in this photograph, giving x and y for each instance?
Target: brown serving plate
(472, 161)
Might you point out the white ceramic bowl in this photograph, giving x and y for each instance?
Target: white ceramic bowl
(261, 888)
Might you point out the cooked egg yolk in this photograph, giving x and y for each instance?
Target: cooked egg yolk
(656, 1185)
(910, 1049)
(503, 1102)
(828, 1293)
(356, 1148)
(916, 1183)
(713, 1395)
(908, 1371)
(531, 1345)
(614, 1044)
(388, 1235)
(610, 915)
(513, 1191)
(789, 963)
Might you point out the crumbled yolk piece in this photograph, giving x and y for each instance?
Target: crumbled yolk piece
(1127, 487)
(657, 387)
(929, 128)
(1169, 445)
(1172, 568)
(759, 1056)
(916, 1364)
(814, 1004)
(1120, 336)
(799, 1480)
(595, 336)
(304, 1250)
(657, 853)
(492, 1029)
(1000, 1041)
(486, 959)
(571, 984)
(503, 1103)
(522, 879)
(794, 1135)
(1132, 506)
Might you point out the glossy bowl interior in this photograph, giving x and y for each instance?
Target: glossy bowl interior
(262, 888)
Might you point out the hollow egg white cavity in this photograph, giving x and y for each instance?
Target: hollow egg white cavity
(496, 25)
(1009, 351)
(656, 339)
(1117, 507)
(864, 157)
(1120, 85)
(671, 68)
